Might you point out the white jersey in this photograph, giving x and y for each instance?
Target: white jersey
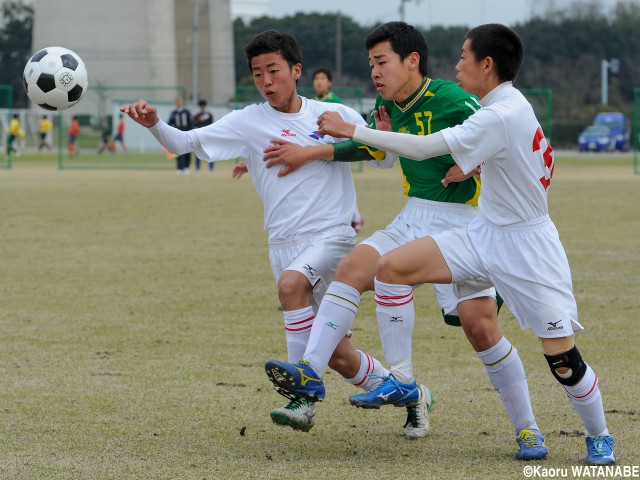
(505, 138)
(317, 196)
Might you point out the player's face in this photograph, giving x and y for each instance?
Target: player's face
(321, 84)
(395, 79)
(276, 81)
(469, 71)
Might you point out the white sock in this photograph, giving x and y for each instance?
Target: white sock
(368, 377)
(396, 317)
(334, 319)
(297, 327)
(506, 373)
(587, 400)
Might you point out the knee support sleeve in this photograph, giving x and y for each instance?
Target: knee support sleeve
(570, 359)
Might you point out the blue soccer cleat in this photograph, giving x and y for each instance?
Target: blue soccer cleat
(531, 445)
(296, 379)
(600, 450)
(389, 392)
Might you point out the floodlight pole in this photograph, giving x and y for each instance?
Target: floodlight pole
(606, 65)
(604, 84)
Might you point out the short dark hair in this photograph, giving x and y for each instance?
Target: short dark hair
(326, 71)
(500, 43)
(271, 41)
(404, 38)
(202, 103)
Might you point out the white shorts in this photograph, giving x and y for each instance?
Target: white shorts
(423, 218)
(526, 263)
(316, 256)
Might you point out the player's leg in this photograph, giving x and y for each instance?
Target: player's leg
(306, 270)
(186, 163)
(419, 261)
(295, 294)
(581, 385)
(541, 297)
(479, 320)
(338, 309)
(333, 320)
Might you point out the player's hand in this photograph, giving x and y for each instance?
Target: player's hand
(290, 155)
(141, 112)
(383, 120)
(455, 174)
(239, 169)
(331, 123)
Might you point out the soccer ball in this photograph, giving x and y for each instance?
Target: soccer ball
(55, 78)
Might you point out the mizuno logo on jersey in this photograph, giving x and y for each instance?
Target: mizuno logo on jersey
(310, 269)
(287, 133)
(316, 136)
(554, 325)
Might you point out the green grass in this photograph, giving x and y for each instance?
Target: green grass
(138, 309)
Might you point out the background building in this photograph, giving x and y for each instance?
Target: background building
(145, 42)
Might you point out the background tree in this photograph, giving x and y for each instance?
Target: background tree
(15, 47)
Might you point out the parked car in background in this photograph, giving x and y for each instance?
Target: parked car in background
(618, 125)
(596, 138)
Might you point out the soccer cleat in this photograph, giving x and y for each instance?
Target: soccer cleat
(531, 445)
(600, 450)
(417, 424)
(297, 379)
(297, 414)
(389, 392)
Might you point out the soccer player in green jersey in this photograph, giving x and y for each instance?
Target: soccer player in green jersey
(322, 84)
(411, 103)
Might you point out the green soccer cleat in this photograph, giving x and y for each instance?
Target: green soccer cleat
(297, 414)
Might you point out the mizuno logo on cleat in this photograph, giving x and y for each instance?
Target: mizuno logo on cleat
(385, 397)
(306, 378)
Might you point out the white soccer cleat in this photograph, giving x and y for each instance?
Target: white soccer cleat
(417, 424)
(297, 414)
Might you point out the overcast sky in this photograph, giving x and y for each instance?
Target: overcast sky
(427, 13)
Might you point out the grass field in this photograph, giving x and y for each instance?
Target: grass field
(138, 308)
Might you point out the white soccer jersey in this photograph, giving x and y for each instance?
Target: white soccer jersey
(315, 197)
(505, 138)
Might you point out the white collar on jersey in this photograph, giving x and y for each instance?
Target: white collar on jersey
(489, 97)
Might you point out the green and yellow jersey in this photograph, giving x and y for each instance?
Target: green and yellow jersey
(329, 97)
(436, 105)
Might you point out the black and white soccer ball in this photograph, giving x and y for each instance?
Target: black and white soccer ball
(55, 78)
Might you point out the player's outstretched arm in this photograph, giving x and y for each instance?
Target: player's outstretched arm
(292, 156)
(414, 147)
(141, 112)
